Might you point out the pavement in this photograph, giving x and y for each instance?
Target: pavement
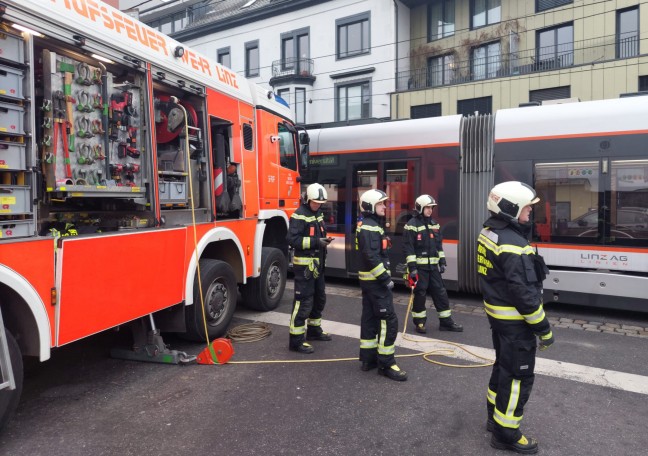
(589, 397)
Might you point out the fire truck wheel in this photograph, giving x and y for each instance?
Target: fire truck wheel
(219, 297)
(265, 292)
(9, 399)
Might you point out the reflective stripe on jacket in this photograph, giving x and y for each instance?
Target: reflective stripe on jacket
(509, 284)
(305, 229)
(372, 246)
(423, 243)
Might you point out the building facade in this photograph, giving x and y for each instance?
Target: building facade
(483, 55)
(332, 61)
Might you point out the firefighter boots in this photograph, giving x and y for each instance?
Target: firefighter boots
(393, 372)
(303, 348)
(322, 336)
(420, 328)
(368, 365)
(522, 446)
(448, 324)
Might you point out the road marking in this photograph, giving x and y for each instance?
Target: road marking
(558, 369)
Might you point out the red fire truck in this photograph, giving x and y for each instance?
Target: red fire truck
(128, 163)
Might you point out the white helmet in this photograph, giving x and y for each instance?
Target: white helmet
(424, 201)
(509, 198)
(316, 193)
(370, 198)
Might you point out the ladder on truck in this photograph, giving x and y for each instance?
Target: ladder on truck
(6, 372)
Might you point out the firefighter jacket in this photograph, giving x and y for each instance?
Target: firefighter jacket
(511, 275)
(373, 246)
(305, 229)
(423, 243)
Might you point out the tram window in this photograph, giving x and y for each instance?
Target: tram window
(569, 195)
(629, 199)
(399, 186)
(333, 209)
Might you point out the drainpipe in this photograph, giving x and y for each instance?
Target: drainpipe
(396, 61)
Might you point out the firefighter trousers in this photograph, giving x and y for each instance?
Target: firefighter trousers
(511, 379)
(430, 282)
(309, 302)
(378, 325)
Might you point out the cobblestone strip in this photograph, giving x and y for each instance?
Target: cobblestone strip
(583, 325)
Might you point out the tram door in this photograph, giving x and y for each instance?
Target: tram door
(397, 179)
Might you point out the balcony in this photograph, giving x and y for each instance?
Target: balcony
(514, 64)
(292, 71)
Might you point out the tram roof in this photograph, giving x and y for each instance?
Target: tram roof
(589, 118)
(416, 133)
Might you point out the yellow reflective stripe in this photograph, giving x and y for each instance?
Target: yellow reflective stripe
(490, 396)
(414, 228)
(306, 243)
(436, 227)
(419, 314)
(376, 229)
(296, 330)
(512, 422)
(505, 248)
(305, 218)
(502, 312)
(441, 254)
(547, 336)
(373, 274)
(314, 322)
(382, 348)
(303, 261)
(410, 258)
(445, 313)
(508, 419)
(535, 317)
(368, 343)
(427, 260)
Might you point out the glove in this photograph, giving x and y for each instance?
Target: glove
(413, 278)
(546, 341)
(323, 242)
(390, 285)
(442, 268)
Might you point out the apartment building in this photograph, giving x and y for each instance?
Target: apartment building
(483, 55)
(332, 61)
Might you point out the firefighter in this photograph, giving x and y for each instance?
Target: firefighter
(510, 276)
(425, 264)
(307, 236)
(379, 323)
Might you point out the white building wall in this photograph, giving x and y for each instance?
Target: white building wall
(321, 21)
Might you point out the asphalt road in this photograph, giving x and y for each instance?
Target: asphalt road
(589, 398)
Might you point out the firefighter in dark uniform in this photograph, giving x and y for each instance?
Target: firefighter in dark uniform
(425, 263)
(510, 276)
(307, 236)
(379, 323)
